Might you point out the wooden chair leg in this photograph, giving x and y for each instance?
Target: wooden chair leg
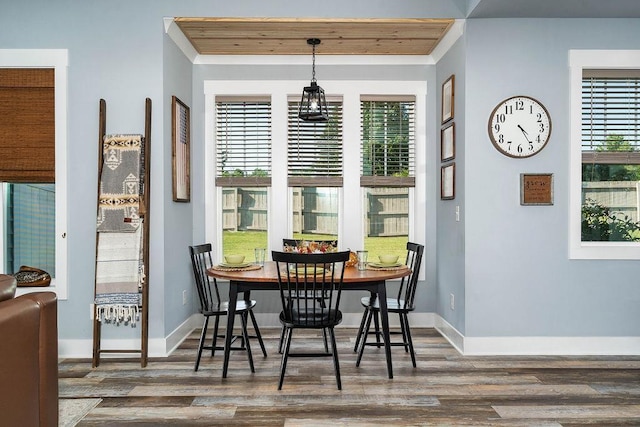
(258, 334)
(409, 340)
(360, 329)
(245, 334)
(376, 322)
(201, 343)
(281, 342)
(285, 354)
(215, 336)
(403, 329)
(336, 363)
(365, 332)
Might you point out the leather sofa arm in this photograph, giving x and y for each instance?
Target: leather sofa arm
(48, 355)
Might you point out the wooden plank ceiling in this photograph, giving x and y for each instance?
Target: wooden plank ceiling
(281, 36)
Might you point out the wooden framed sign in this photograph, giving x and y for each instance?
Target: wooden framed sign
(536, 189)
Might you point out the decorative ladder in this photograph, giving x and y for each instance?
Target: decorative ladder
(144, 216)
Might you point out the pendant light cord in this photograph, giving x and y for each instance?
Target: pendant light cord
(313, 64)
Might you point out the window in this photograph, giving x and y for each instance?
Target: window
(243, 172)
(314, 172)
(387, 171)
(605, 166)
(316, 168)
(33, 216)
(610, 155)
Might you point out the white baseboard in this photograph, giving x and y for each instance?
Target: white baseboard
(158, 347)
(162, 347)
(451, 334)
(467, 346)
(538, 346)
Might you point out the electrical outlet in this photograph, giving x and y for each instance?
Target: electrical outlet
(457, 213)
(452, 301)
(184, 297)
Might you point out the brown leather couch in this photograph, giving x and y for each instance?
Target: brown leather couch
(28, 357)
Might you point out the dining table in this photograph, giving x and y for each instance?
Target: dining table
(257, 277)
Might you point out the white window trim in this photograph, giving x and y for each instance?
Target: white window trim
(579, 60)
(350, 213)
(59, 60)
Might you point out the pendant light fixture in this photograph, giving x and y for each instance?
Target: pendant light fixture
(313, 105)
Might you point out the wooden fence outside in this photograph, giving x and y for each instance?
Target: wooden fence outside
(619, 196)
(315, 212)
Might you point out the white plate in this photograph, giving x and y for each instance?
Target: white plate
(300, 271)
(383, 265)
(242, 264)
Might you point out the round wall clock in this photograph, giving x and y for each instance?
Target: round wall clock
(519, 126)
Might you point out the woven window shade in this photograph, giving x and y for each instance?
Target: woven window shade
(27, 127)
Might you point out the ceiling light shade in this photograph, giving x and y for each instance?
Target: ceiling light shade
(313, 105)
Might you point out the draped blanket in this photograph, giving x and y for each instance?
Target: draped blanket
(119, 199)
(119, 266)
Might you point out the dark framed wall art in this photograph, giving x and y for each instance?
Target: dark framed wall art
(448, 181)
(448, 98)
(180, 150)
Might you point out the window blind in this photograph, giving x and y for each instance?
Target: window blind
(315, 148)
(27, 127)
(387, 141)
(611, 116)
(243, 141)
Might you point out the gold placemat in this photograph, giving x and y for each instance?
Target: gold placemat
(398, 267)
(247, 268)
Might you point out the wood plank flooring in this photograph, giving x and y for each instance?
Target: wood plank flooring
(445, 389)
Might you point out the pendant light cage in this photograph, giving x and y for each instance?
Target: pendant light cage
(313, 105)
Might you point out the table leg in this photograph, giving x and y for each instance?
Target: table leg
(231, 314)
(384, 314)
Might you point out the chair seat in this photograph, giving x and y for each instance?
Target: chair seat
(393, 305)
(223, 307)
(318, 318)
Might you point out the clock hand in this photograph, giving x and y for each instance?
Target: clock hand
(524, 132)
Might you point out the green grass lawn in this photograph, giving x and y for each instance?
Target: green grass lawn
(244, 242)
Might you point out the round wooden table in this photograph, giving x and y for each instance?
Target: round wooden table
(266, 278)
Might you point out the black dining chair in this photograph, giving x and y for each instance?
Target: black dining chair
(292, 243)
(310, 274)
(212, 306)
(402, 304)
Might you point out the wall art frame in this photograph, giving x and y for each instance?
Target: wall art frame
(180, 150)
(448, 142)
(536, 189)
(448, 181)
(448, 98)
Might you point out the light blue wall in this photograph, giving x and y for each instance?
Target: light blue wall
(450, 235)
(177, 217)
(518, 278)
(118, 51)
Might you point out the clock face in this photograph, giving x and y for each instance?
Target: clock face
(519, 127)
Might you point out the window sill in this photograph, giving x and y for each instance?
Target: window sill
(61, 293)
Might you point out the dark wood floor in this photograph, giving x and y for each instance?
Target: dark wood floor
(445, 389)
